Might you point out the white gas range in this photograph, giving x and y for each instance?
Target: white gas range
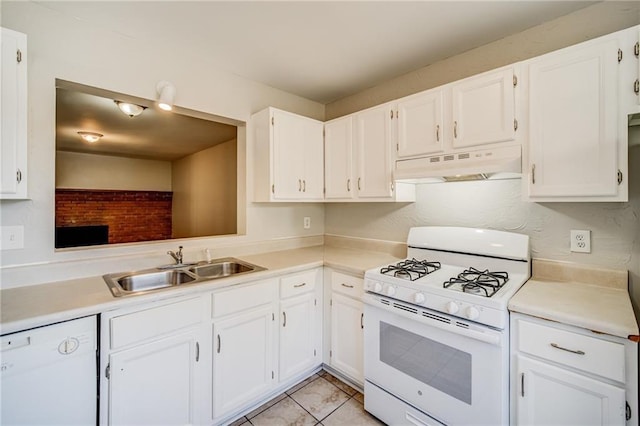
(436, 327)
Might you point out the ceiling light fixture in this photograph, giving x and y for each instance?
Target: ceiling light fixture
(91, 137)
(166, 93)
(132, 110)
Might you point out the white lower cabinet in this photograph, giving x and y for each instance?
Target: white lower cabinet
(156, 383)
(550, 395)
(244, 337)
(565, 375)
(300, 323)
(153, 363)
(347, 326)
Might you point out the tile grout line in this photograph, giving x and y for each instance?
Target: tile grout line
(332, 411)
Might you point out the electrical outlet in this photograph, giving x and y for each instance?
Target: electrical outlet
(307, 222)
(11, 237)
(581, 241)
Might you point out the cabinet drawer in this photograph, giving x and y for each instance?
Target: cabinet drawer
(298, 284)
(239, 299)
(161, 320)
(347, 284)
(575, 350)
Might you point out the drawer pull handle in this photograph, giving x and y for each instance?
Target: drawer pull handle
(299, 285)
(346, 285)
(555, 345)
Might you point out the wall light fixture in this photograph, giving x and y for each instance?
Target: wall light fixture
(166, 94)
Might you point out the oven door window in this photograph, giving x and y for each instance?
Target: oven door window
(433, 363)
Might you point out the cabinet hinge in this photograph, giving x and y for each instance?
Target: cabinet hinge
(619, 55)
(273, 121)
(273, 316)
(391, 112)
(19, 55)
(107, 371)
(636, 49)
(273, 375)
(398, 147)
(323, 133)
(636, 86)
(330, 353)
(393, 187)
(273, 189)
(314, 352)
(515, 81)
(331, 302)
(533, 174)
(515, 125)
(619, 177)
(315, 302)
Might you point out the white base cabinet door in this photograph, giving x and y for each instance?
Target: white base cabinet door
(242, 359)
(156, 383)
(550, 395)
(299, 340)
(347, 336)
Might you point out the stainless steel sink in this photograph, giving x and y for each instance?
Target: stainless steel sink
(126, 283)
(222, 268)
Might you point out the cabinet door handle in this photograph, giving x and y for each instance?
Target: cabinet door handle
(299, 185)
(304, 185)
(284, 321)
(348, 185)
(455, 129)
(533, 174)
(197, 351)
(362, 320)
(299, 285)
(522, 385)
(438, 133)
(359, 184)
(19, 175)
(578, 352)
(346, 285)
(219, 344)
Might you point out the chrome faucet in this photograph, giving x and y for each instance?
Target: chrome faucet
(176, 256)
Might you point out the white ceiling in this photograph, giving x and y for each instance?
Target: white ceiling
(322, 50)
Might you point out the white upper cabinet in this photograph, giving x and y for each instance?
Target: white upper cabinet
(288, 157)
(338, 161)
(359, 157)
(579, 98)
(483, 109)
(421, 124)
(13, 112)
(373, 133)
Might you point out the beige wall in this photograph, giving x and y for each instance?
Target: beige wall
(90, 171)
(591, 22)
(60, 46)
(204, 192)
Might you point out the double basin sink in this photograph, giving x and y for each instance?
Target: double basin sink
(125, 283)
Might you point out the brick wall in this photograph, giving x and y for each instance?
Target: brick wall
(131, 215)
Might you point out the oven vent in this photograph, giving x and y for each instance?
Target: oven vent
(461, 324)
(405, 308)
(385, 302)
(436, 317)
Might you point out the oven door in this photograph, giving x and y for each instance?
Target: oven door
(455, 371)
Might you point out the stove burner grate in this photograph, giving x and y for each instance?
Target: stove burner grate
(478, 282)
(411, 269)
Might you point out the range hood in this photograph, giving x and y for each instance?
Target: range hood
(503, 162)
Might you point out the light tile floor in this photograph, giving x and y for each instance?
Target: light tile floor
(319, 400)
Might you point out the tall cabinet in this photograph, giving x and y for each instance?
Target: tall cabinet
(13, 113)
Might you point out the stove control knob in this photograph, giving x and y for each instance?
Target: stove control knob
(418, 298)
(452, 307)
(390, 290)
(377, 288)
(472, 312)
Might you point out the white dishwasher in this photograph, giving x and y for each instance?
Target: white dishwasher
(49, 375)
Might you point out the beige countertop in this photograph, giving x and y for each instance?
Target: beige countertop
(593, 298)
(33, 306)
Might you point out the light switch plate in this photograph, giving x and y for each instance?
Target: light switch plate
(11, 237)
(581, 241)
